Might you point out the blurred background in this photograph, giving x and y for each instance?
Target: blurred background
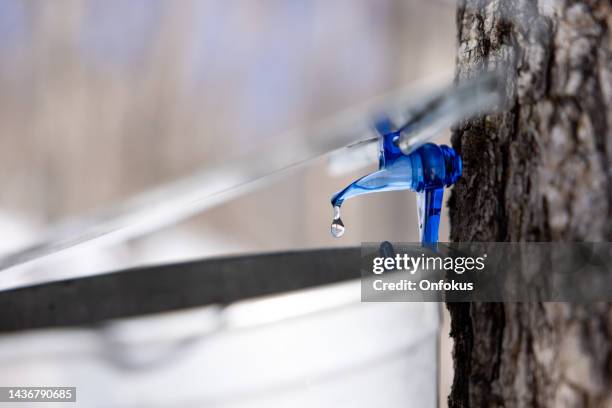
(101, 99)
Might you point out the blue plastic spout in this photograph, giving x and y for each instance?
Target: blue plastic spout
(426, 171)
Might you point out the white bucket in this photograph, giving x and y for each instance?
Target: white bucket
(318, 347)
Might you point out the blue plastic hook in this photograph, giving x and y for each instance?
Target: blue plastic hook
(426, 171)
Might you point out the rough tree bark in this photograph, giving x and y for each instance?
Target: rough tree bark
(538, 171)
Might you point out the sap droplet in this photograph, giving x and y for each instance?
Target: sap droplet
(337, 226)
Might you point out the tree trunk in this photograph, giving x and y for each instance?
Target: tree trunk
(538, 171)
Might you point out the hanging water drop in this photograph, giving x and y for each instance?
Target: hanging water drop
(337, 226)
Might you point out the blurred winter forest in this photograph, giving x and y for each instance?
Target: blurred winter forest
(102, 99)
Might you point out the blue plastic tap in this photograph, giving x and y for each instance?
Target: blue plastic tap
(426, 171)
